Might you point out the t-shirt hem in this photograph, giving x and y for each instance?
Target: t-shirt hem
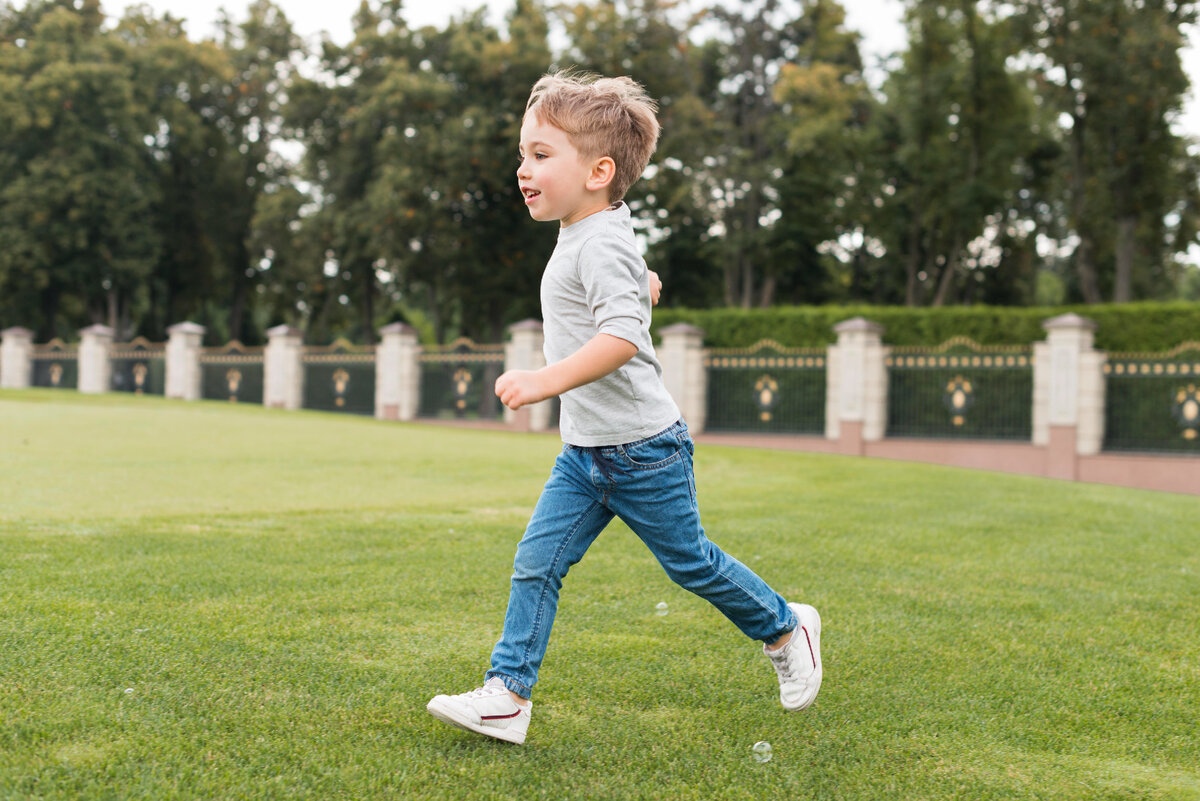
(621, 437)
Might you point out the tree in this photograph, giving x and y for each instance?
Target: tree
(75, 186)
(1112, 69)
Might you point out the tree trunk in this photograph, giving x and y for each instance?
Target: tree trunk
(369, 303)
(912, 265)
(1126, 244)
(949, 273)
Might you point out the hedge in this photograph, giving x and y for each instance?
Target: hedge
(1127, 327)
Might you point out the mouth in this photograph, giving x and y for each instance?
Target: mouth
(530, 195)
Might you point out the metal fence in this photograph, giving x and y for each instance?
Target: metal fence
(961, 390)
(139, 367)
(1152, 401)
(55, 365)
(766, 388)
(340, 378)
(457, 381)
(232, 372)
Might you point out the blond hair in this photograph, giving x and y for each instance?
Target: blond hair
(611, 117)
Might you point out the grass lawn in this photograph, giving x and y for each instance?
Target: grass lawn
(208, 601)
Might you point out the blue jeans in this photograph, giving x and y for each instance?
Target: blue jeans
(650, 485)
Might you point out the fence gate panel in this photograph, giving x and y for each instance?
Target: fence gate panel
(340, 378)
(55, 365)
(458, 381)
(232, 373)
(139, 367)
(1152, 401)
(766, 388)
(961, 390)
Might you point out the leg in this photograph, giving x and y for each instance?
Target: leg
(655, 496)
(568, 517)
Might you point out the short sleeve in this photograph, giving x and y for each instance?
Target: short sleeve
(612, 271)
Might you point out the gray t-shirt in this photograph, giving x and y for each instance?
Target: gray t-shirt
(596, 283)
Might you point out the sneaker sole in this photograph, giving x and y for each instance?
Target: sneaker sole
(448, 714)
(813, 632)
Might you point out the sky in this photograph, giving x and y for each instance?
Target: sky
(878, 21)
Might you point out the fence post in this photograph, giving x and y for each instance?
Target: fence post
(397, 373)
(524, 352)
(283, 371)
(856, 385)
(95, 370)
(682, 357)
(183, 361)
(1069, 390)
(16, 358)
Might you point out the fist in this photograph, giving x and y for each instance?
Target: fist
(518, 388)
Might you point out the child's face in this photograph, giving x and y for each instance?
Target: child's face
(556, 182)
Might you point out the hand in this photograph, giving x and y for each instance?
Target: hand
(518, 388)
(656, 286)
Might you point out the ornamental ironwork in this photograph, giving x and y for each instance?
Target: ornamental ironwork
(1186, 411)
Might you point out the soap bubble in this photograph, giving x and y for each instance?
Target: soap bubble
(129, 691)
(660, 608)
(762, 751)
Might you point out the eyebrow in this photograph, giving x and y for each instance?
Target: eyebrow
(535, 143)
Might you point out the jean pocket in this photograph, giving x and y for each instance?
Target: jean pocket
(651, 453)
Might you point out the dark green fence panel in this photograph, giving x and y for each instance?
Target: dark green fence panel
(1152, 401)
(960, 391)
(55, 365)
(768, 389)
(232, 373)
(340, 378)
(139, 367)
(458, 381)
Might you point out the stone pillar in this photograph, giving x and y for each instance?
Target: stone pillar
(524, 352)
(183, 361)
(397, 373)
(682, 357)
(856, 386)
(1068, 394)
(16, 358)
(283, 370)
(95, 370)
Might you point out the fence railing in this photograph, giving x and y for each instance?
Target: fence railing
(340, 378)
(960, 390)
(55, 365)
(138, 366)
(1152, 401)
(766, 388)
(1061, 395)
(456, 381)
(232, 372)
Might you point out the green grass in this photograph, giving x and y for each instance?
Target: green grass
(206, 601)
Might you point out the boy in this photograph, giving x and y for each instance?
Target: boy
(627, 453)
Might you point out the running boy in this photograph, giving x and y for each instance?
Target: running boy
(627, 453)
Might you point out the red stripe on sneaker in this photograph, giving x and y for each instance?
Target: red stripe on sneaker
(500, 717)
(810, 648)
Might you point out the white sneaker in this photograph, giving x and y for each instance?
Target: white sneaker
(799, 662)
(488, 710)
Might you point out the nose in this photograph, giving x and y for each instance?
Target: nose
(522, 169)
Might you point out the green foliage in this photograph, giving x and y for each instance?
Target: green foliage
(1015, 154)
(1136, 327)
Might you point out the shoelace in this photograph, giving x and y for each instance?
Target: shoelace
(485, 692)
(786, 664)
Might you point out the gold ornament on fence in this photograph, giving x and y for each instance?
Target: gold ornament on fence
(140, 370)
(56, 374)
(766, 395)
(340, 380)
(1186, 410)
(958, 398)
(233, 380)
(462, 385)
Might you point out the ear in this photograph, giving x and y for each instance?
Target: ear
(603, 171)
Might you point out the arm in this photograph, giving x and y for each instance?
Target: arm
(601, 355)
